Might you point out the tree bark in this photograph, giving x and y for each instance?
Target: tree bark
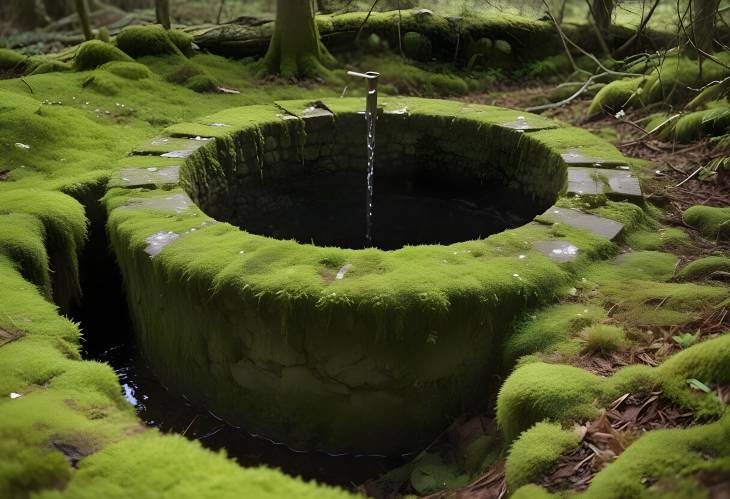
(28, 14)
(295, 50)
(83, 11)
(704, 13)
(162, 10)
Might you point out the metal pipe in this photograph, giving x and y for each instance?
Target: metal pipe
(371, 103)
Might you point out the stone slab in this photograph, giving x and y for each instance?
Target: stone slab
(146, 177)
(524, 124)
(602, 227)
(176, 203)
(614, 183)
(171, 147)
(557, 250)
(576, 158)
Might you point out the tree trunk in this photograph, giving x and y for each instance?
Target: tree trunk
(83, 11)
(28, 14)
(295, 50)
(704, 13)
(162, 10)
(602, 11)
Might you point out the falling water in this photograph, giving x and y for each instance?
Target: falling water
(370, 118)
(371, 115)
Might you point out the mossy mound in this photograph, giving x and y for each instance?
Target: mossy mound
(128, 70)
(710, 221)
(94, 53)
(138, 41)
(603, 338)
(50, 66)
(536, 451)
(704, 267)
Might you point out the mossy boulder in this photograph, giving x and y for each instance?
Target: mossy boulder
(50, 66)
(417, 46)
(202, 83)
(710, 221)
(94, 53)
(182, 40)
(139, 41)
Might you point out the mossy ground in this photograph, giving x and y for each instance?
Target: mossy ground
(68, 135)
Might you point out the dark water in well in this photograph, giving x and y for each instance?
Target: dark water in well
(330, 210)
(109, 337)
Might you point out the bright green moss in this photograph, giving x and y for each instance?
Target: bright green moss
(673, 80)
(710, 221)
(617, 95)
(704, 267)
(536, 451)
(202, 83)
(532, 491)
(659, 454)
(103, 83)
(128, 70)
(182, 469)
(22, 239)
(670, 238)
(50, 66)
(707, 362)
(95, 53)
(138, 41)
(645, 265)
(603, 338)
(65, 228)
(182, 40)
(539, 391)
(541, 331)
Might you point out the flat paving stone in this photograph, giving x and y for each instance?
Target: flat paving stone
(614, 183)
(558, 251)
(146, 177)
(576, 158)
(524, 124)
(599, 226)
(157, 242)
(171, 147)
(176, 203)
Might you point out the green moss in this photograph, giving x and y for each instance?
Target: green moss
(532, 491)
(539, 391)
(542, 331)
(603, 338)
(707, 362)
(704, 267)
(11, 60)
(183, 469)
(64, 222)
(138, 41)
(94, 53)
(617, 95)
(660, 454)
(103, 83)
(128, 70)
(417, 46)
(711, 222)
(202, 83)
(536, 451)
(50, 66)
(182, 40)
(21, 240)
(670, 238)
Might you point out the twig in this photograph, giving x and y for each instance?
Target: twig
(640, 29)
(364, 22)
(690, 176)
(191, 424)
(27, 85)
(562, 36)
(554, 105)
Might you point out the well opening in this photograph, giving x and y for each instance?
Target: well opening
(436, 182)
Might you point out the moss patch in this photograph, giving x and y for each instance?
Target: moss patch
(710, 221)
(95, 53)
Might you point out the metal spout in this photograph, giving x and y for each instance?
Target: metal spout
(371, 103)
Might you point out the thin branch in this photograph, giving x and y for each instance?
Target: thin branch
(554, 105)
(640, 29)
(364, 22)
(562, 36)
